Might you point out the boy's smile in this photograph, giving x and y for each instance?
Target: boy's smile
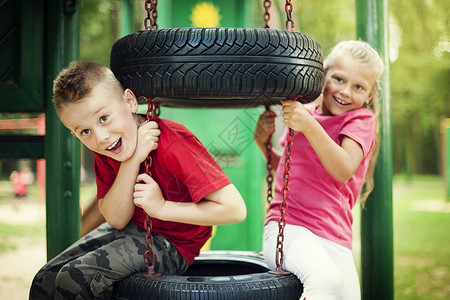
(116, 147)
(105, 122)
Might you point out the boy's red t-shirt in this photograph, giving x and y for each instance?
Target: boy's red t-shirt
(185, 172)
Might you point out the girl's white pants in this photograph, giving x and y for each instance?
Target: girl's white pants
(326, 269)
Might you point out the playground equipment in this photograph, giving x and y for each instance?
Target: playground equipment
(27, 78)
(218, 67)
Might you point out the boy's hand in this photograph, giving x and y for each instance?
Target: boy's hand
(264, 127)
(148, 136)
(295, 116)
(147, 195)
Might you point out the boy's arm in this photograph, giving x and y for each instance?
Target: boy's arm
(117, 206)
(223, 206)
(340, 161)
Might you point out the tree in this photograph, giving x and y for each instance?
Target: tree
(419, 83)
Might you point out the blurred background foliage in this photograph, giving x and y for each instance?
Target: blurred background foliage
(419, 54)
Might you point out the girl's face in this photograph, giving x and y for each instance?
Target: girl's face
(105, 122)
(348, 85)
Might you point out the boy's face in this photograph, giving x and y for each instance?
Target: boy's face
(105, 122)
(348, 85)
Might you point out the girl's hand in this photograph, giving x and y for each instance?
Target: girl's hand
(264, 127)
(147, 195)
(148, 136)
(295, 116)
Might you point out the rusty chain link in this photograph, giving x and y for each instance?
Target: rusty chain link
(284, 205)
(269, 178)
(267, 4)
(288, 7)
(151, 273)
(279, 256)
(152, 14)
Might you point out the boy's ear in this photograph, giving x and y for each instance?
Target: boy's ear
(131, 100)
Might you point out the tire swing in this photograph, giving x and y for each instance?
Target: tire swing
(218, 68)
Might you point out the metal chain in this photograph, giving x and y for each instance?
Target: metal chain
(155, 14)
(286, 175)
(269, 166)
(285, 193)
(151, 273)
(267, 4)
(150, 24)
(289, 22)
(152, 14)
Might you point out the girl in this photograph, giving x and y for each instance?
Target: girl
(333, 156)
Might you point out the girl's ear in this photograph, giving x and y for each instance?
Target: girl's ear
(131, 100)
(324, 76)
(372, 94)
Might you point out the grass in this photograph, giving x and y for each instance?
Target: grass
(14, 236)
(421, 239)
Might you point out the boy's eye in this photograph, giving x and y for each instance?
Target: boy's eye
(85, 132)
(339, 79)
(103, 119)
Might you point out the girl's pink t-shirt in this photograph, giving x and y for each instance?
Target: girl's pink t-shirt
(316, 200)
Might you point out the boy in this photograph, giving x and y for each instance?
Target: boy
(186, 193)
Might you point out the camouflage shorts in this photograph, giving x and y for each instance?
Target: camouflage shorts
(89, 268)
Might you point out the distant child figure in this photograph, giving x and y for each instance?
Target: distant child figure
(333, 156)
(185, 195)
(21, 180)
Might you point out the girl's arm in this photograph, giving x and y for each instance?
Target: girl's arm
(340, 161)
(265, 127)
(117, 206)
(223, 206)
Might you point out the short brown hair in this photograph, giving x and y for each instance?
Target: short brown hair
(78, 80)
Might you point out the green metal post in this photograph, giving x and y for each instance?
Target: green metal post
(126, 20)
(62, 150)
(376, 222)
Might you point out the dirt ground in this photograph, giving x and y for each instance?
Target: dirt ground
(18, 267)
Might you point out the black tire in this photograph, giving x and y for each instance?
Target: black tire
(218, 275)
(219, 67)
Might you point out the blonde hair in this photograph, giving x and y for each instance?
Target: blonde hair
(78, 81)
(366, 55)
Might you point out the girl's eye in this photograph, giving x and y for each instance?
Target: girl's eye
(85, 132)
(339, 79)
(359, 87)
